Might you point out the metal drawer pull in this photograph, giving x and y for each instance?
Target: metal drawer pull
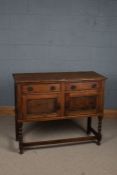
(94, 85)
(52, 88)
(73, 87)
(30, 88)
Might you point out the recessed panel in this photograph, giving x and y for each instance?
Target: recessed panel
(82, 103)
(41, 106)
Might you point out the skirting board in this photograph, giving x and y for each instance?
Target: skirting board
(10, 111)
(7, 111)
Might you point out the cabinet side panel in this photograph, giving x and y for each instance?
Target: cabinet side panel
(101, 97)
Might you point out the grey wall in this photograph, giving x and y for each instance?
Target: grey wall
(58, 35)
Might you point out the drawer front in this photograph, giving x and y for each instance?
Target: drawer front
(40, 88)
(82, 86)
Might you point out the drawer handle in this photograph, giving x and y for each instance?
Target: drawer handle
(52, 88)
(30, 88)
(73, 87)
(94, 85)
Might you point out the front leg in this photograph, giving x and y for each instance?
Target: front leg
(16, 129)
(99, 135)
(89, 121)
(20, 137)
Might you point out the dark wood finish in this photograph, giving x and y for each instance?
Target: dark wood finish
(61, 141)
(89, 120)
(58, 96)
(99, 129)
(10, 111)
(20, 138)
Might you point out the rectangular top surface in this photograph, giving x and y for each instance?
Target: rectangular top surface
(57, 76)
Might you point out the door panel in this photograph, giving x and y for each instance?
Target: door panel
(38, 106)
(76, 104)
(41, 106)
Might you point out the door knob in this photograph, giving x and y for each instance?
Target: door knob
(30, 88)
(52, 88)
(73, 87)
(94, 85)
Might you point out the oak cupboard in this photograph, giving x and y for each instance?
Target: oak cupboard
(58, 96)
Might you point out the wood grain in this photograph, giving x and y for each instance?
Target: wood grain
(10, 111)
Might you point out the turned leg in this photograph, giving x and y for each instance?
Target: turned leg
(99, 136)
(89, 120)
(16, 129)
(20, 137)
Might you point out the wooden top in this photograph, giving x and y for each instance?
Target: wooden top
(57, 76)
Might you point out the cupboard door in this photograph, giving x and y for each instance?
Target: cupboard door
(41, 107)
(86, 104)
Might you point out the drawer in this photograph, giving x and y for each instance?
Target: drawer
(40, 88)
(82, 86)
